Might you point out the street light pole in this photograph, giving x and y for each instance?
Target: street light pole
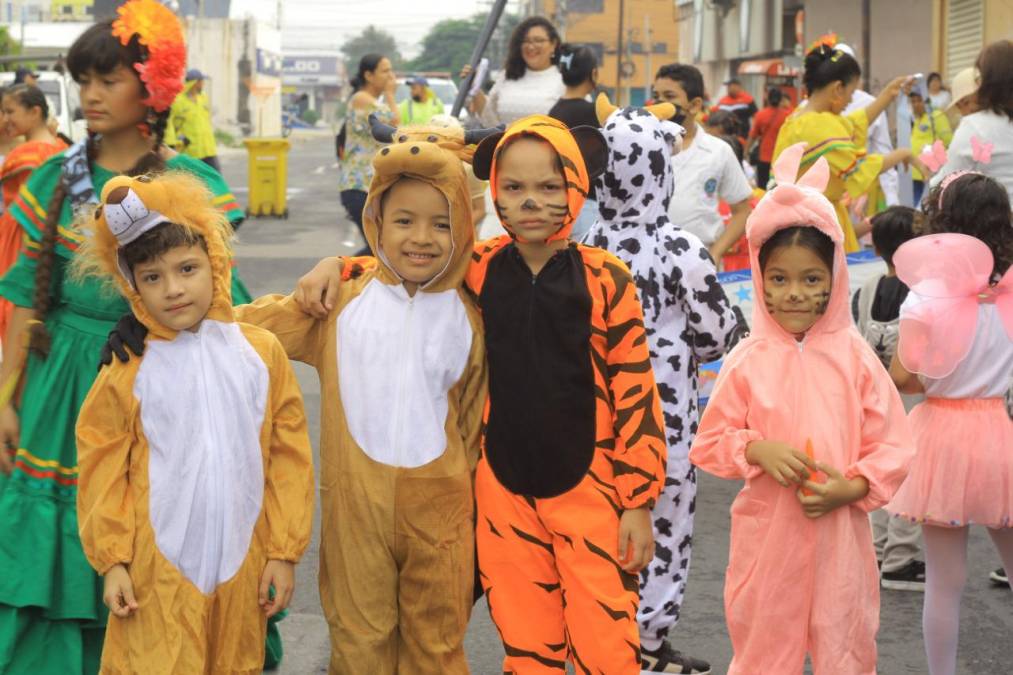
(648, 73)
(619, 53)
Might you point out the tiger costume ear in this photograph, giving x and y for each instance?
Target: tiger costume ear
(481, 162)
(593, 149)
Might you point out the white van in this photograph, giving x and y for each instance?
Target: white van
(444, 88)
(64, 99)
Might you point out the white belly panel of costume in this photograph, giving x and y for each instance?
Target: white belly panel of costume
(202, 398)
(398, 357)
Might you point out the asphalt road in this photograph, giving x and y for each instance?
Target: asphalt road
(273, 253)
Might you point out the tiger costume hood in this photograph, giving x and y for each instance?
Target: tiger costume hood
(582, 156)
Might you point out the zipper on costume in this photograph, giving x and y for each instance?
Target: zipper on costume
(214, 459)
(401, 385)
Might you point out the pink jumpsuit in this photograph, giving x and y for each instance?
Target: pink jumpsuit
(795, 585)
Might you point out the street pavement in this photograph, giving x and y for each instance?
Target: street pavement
(273, 253)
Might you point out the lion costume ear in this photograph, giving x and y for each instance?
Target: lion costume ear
(593, 149)
(481, 162)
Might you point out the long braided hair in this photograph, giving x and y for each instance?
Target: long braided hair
(96, 51)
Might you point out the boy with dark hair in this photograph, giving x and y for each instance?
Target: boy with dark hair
(876, 309)
(706, 170)
(195, 493)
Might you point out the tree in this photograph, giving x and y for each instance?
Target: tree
(448, 44)
(9, 47)
(372, 40)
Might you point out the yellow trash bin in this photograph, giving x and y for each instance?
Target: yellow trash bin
(268, 176)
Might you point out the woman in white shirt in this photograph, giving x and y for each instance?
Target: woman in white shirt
(938, 95)
(530, 83)
(983, 140)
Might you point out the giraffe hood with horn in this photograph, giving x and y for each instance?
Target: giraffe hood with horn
(403, 389)
(688, 318)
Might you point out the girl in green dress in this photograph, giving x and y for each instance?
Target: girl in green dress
(52, 619)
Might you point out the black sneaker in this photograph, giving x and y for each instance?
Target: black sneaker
(911, 577)
(999, 577)
(667, 660)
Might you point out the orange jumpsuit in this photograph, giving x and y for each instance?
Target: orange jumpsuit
(796, 585)
(195, 468)
(574, 436)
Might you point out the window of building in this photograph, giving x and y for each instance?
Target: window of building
(965, 33)
(586, 6)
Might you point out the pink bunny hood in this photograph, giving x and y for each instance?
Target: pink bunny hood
(793, 203)
(830, 388)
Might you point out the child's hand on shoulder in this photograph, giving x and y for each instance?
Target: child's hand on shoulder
(317, 291)
(118, 593)
(636, 539)
(281, 575)
(835, 492)
(780, 461)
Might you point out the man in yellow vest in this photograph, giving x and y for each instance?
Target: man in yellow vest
(927, 126)
(191, 119)
(422, 104)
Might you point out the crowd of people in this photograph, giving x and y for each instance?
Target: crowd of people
(518, 416)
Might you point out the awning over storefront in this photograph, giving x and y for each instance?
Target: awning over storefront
(772, 67)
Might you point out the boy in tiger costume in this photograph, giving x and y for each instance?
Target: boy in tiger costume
(574, 451)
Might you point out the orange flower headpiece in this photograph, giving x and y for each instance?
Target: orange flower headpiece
(161, 33)
(826, 40)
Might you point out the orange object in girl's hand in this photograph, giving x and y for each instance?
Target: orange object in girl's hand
(815, 476)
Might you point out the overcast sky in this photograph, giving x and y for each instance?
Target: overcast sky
(324, 24)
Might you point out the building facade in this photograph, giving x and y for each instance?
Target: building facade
(631, 37)
(72, 10)
(763, 41)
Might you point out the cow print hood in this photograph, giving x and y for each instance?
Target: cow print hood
(635, 189)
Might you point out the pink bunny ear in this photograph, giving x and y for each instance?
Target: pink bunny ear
(817, 176)
(785, 169)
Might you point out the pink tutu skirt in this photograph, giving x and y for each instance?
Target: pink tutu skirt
(962, 473)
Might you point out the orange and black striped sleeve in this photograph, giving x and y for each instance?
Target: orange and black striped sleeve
(641, 454)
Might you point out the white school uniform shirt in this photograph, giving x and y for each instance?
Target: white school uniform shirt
(705, 172)
(878, 142)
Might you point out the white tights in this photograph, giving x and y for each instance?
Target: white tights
(945, 574)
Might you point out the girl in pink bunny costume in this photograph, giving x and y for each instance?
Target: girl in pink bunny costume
(804, 412)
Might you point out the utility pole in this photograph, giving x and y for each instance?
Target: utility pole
(560, 18)
(649, 46)
(629, 60)
(619, 54)
(866, 39)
